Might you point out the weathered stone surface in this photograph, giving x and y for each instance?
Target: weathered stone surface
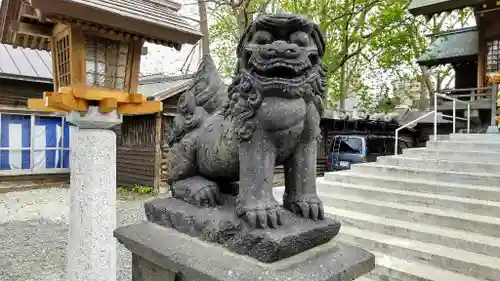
(165, 254)
(94, 119)
(91, 247)
(268, 116)
(221, 225)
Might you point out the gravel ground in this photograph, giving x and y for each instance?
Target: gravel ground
(34, 230)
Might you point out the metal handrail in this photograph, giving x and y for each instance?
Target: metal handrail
(435, 112)
(465, 90)
(396, 134)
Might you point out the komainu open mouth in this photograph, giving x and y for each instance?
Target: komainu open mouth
(279, 70)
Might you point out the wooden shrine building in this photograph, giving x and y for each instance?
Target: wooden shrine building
(141, 139)
(473, 52)
(96, 48)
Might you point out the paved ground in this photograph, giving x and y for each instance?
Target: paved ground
(33, 235)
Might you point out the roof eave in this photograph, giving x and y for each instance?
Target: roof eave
(441, 7)
(163, 95)
(156, 78)
(26, 78)
(102, 17)
(442, 61)
(6, 14)
(171, 4)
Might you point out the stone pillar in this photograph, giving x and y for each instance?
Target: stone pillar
(91, 246)
(493, 128)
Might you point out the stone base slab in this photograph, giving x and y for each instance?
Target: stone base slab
(221, 225)
(164, 254)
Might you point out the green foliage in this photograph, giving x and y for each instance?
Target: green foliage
(230, 22)
(362, 37)
(135, 192)
(142, 189)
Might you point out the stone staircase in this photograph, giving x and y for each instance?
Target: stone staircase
(430, 214)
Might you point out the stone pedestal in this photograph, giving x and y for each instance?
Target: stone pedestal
(164, 254)
(222, 226)
(91, 245)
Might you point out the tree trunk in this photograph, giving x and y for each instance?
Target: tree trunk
(423, 103)
(428, 83)
(345, 51)
(242, 17)
(205, 41)
(342, 87)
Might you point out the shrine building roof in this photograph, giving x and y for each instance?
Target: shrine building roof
(156, 21)
(430, 7)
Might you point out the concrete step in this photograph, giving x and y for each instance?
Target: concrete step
(438, 164)
(475, 137)
(448, 237)
(389, 268)
(363, 278)
(416, 185)
(459, 261)
(452, 155)
(468, 137)
(443, 202)
(445, 218)
(429, 174)
(465, 145)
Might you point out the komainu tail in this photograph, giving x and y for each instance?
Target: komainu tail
(208, 88)
(206, 96)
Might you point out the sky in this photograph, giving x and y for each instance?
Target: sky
(165, 60)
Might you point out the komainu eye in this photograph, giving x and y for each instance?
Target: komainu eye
(262, 37)
(300, 38)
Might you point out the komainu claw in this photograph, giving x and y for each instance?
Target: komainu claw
(307, 207)
(262, 216)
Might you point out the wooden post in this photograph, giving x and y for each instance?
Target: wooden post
(55, 75)
(158, 153)
(77, 57)
(482, 56)
(135, 64)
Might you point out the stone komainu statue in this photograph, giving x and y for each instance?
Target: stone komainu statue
(268, 116)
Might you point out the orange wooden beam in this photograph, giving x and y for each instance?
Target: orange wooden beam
(148, 107)
(87, 93)
(108, 104)
(76, 98)
(39, 104)
(66, 102)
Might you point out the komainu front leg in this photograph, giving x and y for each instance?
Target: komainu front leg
(301, 196)
(300, 183)
(256, 203)
(183, 177)
(197, 191)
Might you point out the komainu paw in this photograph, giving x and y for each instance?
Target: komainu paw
(197, 191)
(306, 206)
(261, 214)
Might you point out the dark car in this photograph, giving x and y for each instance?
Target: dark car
(346, 150)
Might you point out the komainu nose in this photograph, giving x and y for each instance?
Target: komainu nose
(281, 49)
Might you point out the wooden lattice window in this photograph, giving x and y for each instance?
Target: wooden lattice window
(106, 63)
(63, 61)
(493, 59)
